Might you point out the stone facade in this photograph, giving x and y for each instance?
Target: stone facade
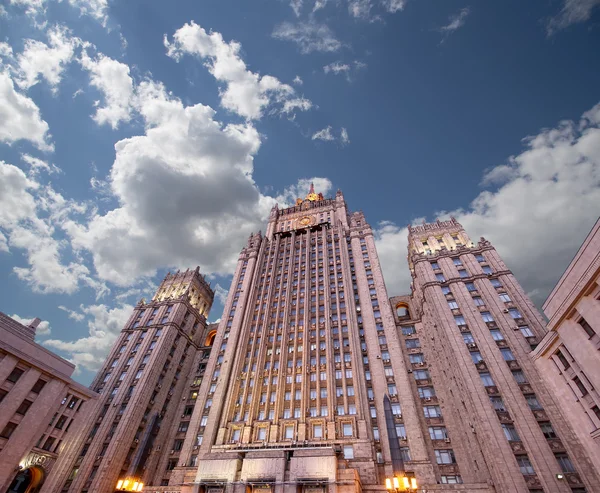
(568, 356)
(316, 381)
(40, 406)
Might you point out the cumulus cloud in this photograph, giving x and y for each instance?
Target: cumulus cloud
(361, 9)
(36, 165)
(345, 139)
(246, 93)
(393, 6)
(114, 82)
(319, 4)
(536, 219)
(104, 325)
(300, 189)
(73, 314)
(296, 6)
(298, 80)
(572, 12)
(221, 294)
(97, 9)
(309, 36)
(20, 117)
(47, 61)
(43, 328)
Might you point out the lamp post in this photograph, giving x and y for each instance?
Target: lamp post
(400, 483)
(129, 484)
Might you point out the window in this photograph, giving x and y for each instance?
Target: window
(497, 335)
(446, 290)
(413, 343)
(487, 317)
(526, 331)
(514, 313)
(401, 432)
(463, 273)
(445, 456)
(438, 432)
(519, 376)
(392, 389)
(564, 462)
(456, 261)
(507, 354)
(432, 411)
(421, 374)
(15, 375)
(580, 386)
(405, 453)
(524, 464)
(468, 338)
(487, 380)
(587, 327)
(434, 265)
(563, 359)
(425, 392)
(486, 269)
(440, 277)
(8, 430)
(318, 431)
(407, 331)
(24, 407)
(396, 409)
(39, 385)
(470, 286)
(348, 452)
(510, 432)
(479, 257)
(497, 403)
(478, 301)
(452, 480)
(416, 358)
(460, 320)
(453, 305)
(347, 429)
(235, 435)
(504, 297)
(476, 357)
(262, 434)
(496, 283)
(547, 430)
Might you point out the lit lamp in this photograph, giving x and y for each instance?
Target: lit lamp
(402, 483)
(129, 485)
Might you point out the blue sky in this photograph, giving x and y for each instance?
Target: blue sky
(142, 136)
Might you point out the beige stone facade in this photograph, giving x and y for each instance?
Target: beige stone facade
(568, 356)
(40, 406)
(316, 381)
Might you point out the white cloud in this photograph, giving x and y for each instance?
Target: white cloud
(104, 325)
(113, 80)
(73, 314)
(344, 136)
(246, 93)
(3, 12)
(212, 204)
(455, 21)
(98, 9)
(32, 7)
(300, 190)
(221, 294)
(29, 223)
(46, 60)
(309, 36)
(296, 6)
(393, 6)
(36, 165)
(537, 219)
(337, 68)
(20, 117)
(324, 134)
(298, 81)
(572, 12)
(361, 9)
(43, 328)
(319, 4)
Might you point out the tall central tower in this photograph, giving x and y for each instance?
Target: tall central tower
(310, 373)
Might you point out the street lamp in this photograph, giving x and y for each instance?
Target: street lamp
(402, 483)
(129, 484)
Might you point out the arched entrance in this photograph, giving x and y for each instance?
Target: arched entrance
(28, 480)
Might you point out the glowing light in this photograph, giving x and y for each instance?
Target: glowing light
(406, 482)
(396, 483)
(119, 484)
(126, 483)
(135, 485)
(413, 483)
(388, 484)
(559, 476)
(140, 486)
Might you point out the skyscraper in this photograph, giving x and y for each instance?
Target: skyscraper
(143, 387)
(315, 380)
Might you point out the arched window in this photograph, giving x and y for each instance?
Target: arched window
(210, 338)
(402, 310)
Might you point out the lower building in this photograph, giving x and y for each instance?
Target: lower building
(40, 407)
(568, 356)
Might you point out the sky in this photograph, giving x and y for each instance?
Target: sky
(142, 136)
